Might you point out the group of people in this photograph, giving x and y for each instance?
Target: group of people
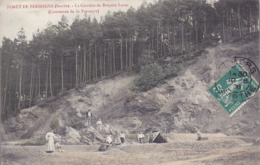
(120, 139)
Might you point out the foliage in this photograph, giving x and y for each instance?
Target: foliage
(54, 124)
(146, 58)
(34, 142)
(170, 71)
(75, 124)
(150, 76)
(130, 96)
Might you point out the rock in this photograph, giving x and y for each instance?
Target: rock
(86, 140)
(103, 147)
(79, 115)
(98, 137)
(72, 136)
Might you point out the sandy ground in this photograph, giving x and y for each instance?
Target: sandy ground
(218, 150)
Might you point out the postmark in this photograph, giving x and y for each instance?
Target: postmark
(236, 87)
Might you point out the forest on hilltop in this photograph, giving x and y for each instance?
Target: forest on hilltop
(63, 56)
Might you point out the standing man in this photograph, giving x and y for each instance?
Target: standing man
(88, 116)
(151, 137)
(99, 124)
(140, 137)
(122, 137)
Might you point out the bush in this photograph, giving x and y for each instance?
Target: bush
(131, 95)
(75, 125)
(54, 124)
(151, 75)
(170, 71)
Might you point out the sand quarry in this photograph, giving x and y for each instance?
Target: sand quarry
(180, 149)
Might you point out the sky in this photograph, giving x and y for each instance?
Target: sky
(17, 14)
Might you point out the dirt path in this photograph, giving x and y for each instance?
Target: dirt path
(205, 152)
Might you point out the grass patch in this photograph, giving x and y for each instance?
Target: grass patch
(34, 142)
(133, 137)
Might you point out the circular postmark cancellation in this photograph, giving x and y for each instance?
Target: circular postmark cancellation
(237, 86)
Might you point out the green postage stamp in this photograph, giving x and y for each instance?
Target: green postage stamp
(234, 89)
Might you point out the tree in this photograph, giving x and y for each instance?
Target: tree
(20, 55)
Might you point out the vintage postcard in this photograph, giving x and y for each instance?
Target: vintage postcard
(119, 82)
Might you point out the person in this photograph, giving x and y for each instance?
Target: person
(109, 139)
(199, 136)
(198, 133)
(122, 137)
(50, 138)
(89, 115)
(140, 137)
(117, 141)
(150, 137)
(99, 124)
(58, 146)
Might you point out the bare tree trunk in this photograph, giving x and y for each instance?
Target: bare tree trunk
(126, 55)
(95, 60)
(62, 73)
(104, 61)
(90, 61)
(114, 57)
(31, 86)
(224, 37)
(80, 68)
(16, 95)
(205, 27)
(76, 67)
(100, 62)
(157, 38)
(174, 39)
(130, 52)
(51, 76)
(250, 17)
(46, 83)
(84, 63)
(1, 110)
(182, 37)
(6, 82)
(1, 133)
(20, 86)
(121, 54)
(39, 83)
(110, 64)
(239, 21)
(228, 30)
(169, 39)
(151, 37)
(161, 45)
(196, 33)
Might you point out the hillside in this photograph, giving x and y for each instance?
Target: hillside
(177, 106)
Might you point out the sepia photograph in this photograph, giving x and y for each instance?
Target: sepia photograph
(119, 82)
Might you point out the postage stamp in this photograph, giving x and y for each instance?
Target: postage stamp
(235, 88)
